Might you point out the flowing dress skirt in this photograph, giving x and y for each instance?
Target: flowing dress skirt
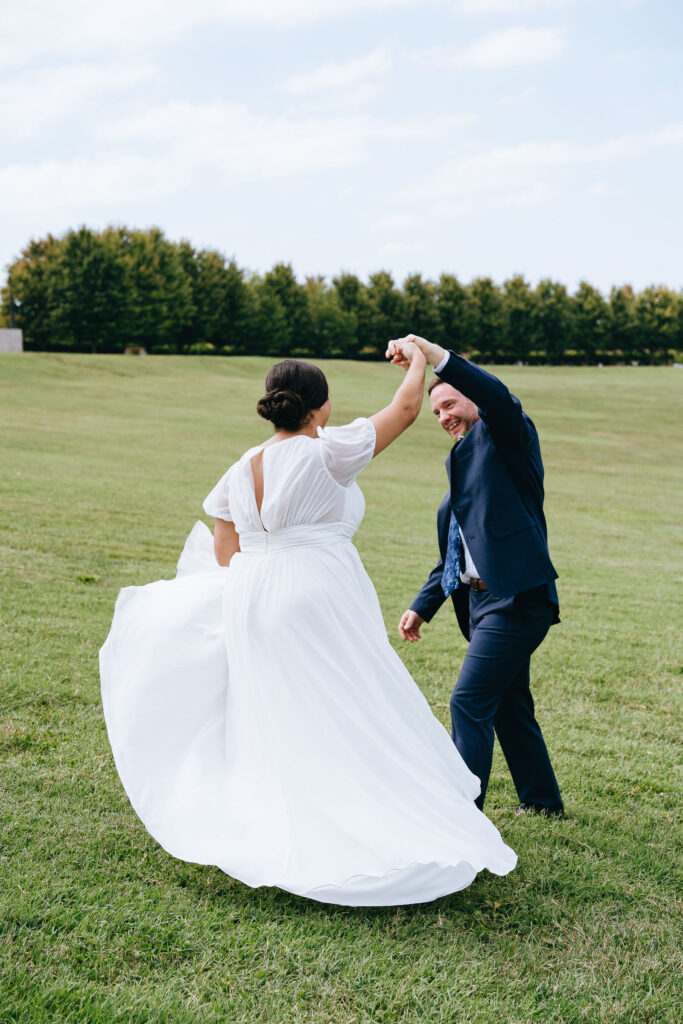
(261, 721)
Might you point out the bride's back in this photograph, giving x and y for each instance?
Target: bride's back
(304, 480)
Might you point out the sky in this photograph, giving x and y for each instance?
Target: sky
(473, 137)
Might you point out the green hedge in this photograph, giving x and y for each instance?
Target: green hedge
(105, 291)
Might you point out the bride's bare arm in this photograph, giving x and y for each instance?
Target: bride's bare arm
(226, 541)
(406, 403)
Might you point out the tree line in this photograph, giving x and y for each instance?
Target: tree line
(106, 291)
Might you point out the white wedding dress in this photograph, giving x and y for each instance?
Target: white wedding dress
(260, 719)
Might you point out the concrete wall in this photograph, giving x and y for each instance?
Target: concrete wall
(11, 340)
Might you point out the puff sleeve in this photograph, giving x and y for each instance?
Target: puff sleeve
(348, 449)
(217, 503)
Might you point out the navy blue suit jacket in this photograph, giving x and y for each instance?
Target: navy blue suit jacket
(496, 493)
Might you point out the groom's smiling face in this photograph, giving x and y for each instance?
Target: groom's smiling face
(456, 414)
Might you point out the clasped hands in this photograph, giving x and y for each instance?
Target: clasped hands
(401, 351)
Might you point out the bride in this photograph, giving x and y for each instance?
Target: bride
(260, 719)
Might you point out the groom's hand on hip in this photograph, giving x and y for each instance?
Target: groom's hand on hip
(409, 626)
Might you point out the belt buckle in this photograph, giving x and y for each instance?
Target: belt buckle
(476, 585)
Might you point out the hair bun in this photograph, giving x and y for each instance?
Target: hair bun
(294, 389)
(283, 407)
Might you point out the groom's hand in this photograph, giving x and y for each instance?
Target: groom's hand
(409, 626)
(401, 352)
(434, 354)
(395, 355)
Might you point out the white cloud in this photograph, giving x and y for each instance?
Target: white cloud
(240, 143)
(400, 221)
(59, 187)
(511, 7)
(631, 57)
(184, 140)
(513, 47)
(514, 99)
(603, 189)
(421, 128)
(31, 100)
(521, 197)
(393, 250)
(517, 198)
(357, 80)
(333, 103)
(78, 28)
(244, 142)
(342, 75)
(524, 174)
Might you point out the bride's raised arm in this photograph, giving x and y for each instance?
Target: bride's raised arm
(406, 403)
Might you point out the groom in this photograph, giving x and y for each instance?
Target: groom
(496, 568)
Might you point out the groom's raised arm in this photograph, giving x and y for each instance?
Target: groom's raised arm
(500, 411)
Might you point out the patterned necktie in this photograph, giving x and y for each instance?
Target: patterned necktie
(450, 577)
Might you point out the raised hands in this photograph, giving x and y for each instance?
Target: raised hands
(401, 350)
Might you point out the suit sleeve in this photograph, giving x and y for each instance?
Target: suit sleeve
(431, 597)
(500, 411)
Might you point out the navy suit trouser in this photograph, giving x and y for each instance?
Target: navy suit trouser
(492, 694)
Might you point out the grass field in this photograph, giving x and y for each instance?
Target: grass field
(105, 462)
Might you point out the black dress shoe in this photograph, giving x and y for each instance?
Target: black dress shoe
(545, 812)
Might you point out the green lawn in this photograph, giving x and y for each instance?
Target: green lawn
(105, 462)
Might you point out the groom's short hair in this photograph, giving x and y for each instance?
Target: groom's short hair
(434, 382)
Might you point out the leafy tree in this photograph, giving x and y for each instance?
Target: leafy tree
(272, 334)
(621, 321)
(353, 299)
(386, 313)
(488, 322)
(105, 290)
(591, 322)
(93, 289)
(657, 322)
(553, 319)
(160, 291)
(210, 298)
(189, 260)
(281, 284)
(520, 312)
(35, 276)
(224, 305)
(333, 329)
(239, 310)
(454, 311)
(421, 314)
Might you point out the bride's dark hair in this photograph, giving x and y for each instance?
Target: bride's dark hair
(294, 389)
